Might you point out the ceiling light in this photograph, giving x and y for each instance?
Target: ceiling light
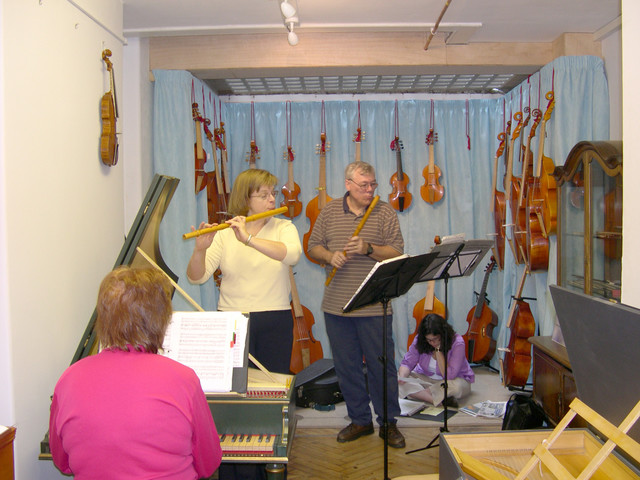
(292, 37)
(287, 9)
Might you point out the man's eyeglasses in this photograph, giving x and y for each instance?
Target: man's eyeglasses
(365, 186)
(266, 195)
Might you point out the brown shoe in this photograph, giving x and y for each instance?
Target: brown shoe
(353, 431)
(394, 439)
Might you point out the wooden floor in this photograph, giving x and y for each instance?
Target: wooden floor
(316, 454)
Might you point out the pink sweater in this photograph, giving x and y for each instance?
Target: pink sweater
(132, 415)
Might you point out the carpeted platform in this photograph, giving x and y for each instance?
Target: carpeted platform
(486, 387)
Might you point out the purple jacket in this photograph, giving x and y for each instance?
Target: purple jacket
(457, 365)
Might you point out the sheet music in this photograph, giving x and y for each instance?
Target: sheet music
(373, 270)
(205, 342)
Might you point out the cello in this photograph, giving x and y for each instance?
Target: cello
(498, 203)
(543, 201)
(431, 191)
(516, 364)
(317, 203)
(426, 305)
(478, 340)
(109, 114)
(306, 349)
(291, 189)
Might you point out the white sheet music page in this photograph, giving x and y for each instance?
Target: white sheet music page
(204, 341)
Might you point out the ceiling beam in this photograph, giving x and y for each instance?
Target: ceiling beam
(379, 53)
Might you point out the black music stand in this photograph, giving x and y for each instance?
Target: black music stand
(387, 280)
(455, 258)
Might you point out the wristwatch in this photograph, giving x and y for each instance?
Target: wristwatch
(369, 249)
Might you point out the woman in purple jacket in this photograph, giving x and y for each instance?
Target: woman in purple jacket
(425, 361)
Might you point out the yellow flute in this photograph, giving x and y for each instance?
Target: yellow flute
(356, 232)
(222, 226)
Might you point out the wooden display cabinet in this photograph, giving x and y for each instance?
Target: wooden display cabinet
(589, 219)
(554, 386)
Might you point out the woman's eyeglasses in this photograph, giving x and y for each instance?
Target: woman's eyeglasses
(266, 195)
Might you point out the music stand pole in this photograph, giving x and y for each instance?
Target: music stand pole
(454, 259)
(385, 414)
(387, 280)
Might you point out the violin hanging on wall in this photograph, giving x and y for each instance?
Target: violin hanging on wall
(291, 189)
(317, 203)
(109, 115)
(431, 191)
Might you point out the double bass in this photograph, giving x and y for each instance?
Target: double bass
(478, 340)
(306, 349)
(516, 364)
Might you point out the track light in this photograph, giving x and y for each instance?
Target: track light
(292, 37)
(287, 9)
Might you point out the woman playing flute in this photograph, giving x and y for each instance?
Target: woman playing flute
(254, 258)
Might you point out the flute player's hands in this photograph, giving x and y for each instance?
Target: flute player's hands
(203, 241)
(355, 246)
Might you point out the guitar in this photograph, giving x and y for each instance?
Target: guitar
(479, 342)
(431, 191)
(399, 198)
(305, 349)
(516, 364)
(109, 115)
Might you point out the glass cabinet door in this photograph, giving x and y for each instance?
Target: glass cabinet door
(590, 219)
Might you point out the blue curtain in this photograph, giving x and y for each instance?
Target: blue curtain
(467, 131)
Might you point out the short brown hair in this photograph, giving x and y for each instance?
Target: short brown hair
(134, 308)
(246, 183)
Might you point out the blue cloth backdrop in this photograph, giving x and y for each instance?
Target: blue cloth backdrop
(581, 113)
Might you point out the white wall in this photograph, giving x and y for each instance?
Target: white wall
(63, 219)
(631, 152)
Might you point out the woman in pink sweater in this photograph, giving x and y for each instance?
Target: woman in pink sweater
(127, 412)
